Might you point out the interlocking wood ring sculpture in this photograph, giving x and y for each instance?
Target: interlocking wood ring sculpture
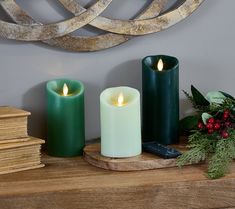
(57, 34)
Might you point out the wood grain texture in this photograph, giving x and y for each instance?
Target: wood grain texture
(145, 161)
(5, 141)
(25, 143)
(22, 167)
(72, 183)
(11, 112)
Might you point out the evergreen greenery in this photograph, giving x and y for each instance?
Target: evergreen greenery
(214, 145)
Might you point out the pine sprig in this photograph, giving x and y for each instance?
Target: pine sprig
(200, 147)
(220, 153)
(194, 155)
(220, 161)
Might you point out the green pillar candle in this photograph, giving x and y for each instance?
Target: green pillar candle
(160, 80)
(65, 118)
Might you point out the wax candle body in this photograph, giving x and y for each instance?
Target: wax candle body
(120, 125)
(160, 99)
(65, 121)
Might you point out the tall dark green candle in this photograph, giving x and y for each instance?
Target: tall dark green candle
(65, 118)
(160, 80)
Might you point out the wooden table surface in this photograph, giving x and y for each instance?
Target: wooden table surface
(73, 184)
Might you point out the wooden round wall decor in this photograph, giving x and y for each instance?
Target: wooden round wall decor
(153, 19)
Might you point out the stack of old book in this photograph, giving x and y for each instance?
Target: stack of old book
(18, 151)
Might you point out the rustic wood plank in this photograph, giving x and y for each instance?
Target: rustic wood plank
(72, 183)
(145, 161)
(22, 167)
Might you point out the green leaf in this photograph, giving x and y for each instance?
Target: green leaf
(227, 95)
(215, 97)
(198, 97)
(188, 123)
(205, 117)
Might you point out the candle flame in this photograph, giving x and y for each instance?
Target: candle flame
(160, 65)
(65, 90)
(120, 100)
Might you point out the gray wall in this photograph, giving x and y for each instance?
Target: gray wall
(204, 44)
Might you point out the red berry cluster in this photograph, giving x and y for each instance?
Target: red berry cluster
(219, 125)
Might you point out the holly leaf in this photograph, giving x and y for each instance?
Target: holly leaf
(227, 95)
(215, 97)
(189, 123)
(198, 98)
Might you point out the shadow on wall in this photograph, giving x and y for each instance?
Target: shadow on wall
(92, 109)
(34, 102)
(126, 74)
(185, 108)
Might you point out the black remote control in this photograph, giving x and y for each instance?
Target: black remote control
(160, 150)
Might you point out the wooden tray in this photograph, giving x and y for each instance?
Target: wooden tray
(145, 161)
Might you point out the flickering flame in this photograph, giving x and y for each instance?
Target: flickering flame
(120, 100)
(65, 90)
(160, 65)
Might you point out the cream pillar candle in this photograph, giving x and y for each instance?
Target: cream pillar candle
(120, 122)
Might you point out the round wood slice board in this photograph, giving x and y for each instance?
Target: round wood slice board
(145, 161)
